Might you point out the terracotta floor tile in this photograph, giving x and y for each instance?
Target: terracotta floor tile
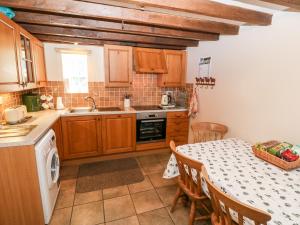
(133, 220)
(118, 208)
(155, 217)
(146, 159)
(68, 172)
(69, 184)
(153, 167)
(158, 181)
(82, 198)
(146, 201)
(61, 216)
(115, 192)
(180, 216)
(142, 186)
(167, 194)
(164, 156)
(88, 214)
(65, 198)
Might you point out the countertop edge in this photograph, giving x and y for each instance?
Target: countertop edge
(45, 119)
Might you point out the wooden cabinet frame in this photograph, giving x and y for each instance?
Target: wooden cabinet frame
(118, 77)
(130, 139)
(174, 78)
(148, 60)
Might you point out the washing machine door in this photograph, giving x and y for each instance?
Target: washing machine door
(52, 167)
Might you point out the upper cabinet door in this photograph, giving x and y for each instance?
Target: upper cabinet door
(118, 66)
(39, 63)
(26, 57)
(9, 77)
(176, 75)
(149, 60)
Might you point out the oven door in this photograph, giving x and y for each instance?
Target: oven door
(151, 130)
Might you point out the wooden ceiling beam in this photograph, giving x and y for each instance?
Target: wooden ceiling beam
(83, 41)
(83, 23)
(292, 4)
(99, 11)
(110, 36)
(207, 8)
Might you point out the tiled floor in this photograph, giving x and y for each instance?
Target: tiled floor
(144, 203)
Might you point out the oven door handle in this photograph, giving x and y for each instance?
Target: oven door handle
(151, 121)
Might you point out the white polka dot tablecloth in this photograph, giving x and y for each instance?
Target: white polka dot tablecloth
(232, 166)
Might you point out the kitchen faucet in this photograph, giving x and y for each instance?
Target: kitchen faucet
(93, 100)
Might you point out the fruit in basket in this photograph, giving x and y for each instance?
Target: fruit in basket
(289, 156)
(278, 149)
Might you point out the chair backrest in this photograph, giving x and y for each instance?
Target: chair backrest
(188, 168)
(224, 204)
(206, 131)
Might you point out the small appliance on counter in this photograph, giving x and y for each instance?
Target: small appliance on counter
(16, 114)
(32, 102)
(165, 99)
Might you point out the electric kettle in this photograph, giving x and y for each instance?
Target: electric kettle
(165, 99)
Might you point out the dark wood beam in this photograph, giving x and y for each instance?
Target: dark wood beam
(292, 4)
(109, 36)
(92, 24)
(207, 8)
(99, 11)
(83, 41)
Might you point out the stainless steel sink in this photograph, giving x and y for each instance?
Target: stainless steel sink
(90, 110)
(15, 130)
(81, 110)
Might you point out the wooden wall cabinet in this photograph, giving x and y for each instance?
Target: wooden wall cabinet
(147, 60)
(22, 63)
(39, 63)
(81, 136)
(118, 133)
(176, 74)
(177, 127)
(9, 68)
(118, 66)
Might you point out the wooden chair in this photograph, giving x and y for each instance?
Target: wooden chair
(187, 186)
(206, 131)
(223, 204)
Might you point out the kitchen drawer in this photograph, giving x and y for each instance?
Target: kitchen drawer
(177, 132)
(179, 140)
(177, 115)
(179, 123)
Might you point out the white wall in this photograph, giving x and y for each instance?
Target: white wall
(54, 67)
(257, 93)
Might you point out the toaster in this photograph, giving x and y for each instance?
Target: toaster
(15, 114)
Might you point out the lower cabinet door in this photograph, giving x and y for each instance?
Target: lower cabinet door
(118, 133)
(80, 136)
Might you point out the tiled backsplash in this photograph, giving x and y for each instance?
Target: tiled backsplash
(144, 91)
(10, 99)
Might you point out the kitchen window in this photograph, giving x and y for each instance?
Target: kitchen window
(75, 72)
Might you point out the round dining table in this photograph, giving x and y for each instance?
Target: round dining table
(232, 166)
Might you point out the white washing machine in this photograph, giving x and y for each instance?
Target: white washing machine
(48, 171)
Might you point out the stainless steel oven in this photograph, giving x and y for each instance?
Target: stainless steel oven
(150, 126)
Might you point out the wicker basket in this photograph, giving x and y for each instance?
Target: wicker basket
(276, 160)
